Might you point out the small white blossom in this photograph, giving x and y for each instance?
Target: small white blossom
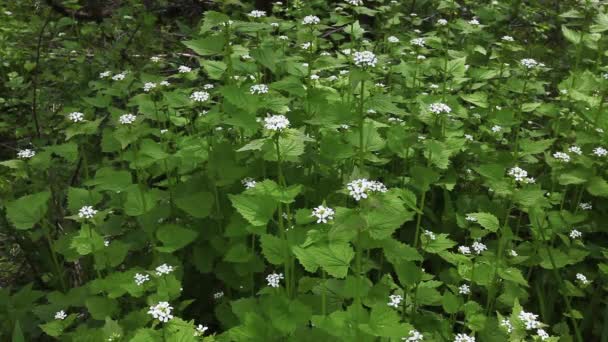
(161, 311)
(249, 183)
(585, 206)
(414, 336)
(600, 151)
(149, 86)
(218, 295)
(360, 188)
(283, 38)
(395, 300)
(418, 42)
(256, 14)
(199, 96)
(311, 20)
(182, 69)
(420, 57)
(140, 279)
(582, 278)
(61, 315)
(464, 289)
(464, 250)
(468, 137)
(127, 119)
(106, 243)
(505, 323)
(513, 253)
(496, 129)
(392, 39)
(26, 153)
(355, 2)
(529, 63)
(208, 86)
(276, 123)
(258, 89)
(439, 108)
(575, 234)
(119, 77)
(542, 334)
(507, 38)
(429, 234)
(274, 24)
(164, 269)
(478, 247)
(561, 156)
(155, 59)
(323, 214)
(76, 117)
(105, 74)
(464, 338)
(200, 330)
(306, 46)
(470, 218)
(529, 319)
(442, 22)
(87, 212)
(474, 22)
(365, 59)
(274, 279)
(518, 174)
(575, 149)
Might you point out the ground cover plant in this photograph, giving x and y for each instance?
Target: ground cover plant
(355, 170)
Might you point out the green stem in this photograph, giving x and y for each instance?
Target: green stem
(361, 123)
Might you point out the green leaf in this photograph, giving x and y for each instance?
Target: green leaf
(486, 220)
(385, 215)
(512, 274)
(266, 56)
(572, 36)
(17, 333)
(215, 69)
(78, 198)
(140, 201)
(257, 210)
(597, 186)
(174, 237)
(334, 258)
(26, 211)
(109, 179)
(206, 46)
(479, 99)
(385, 322)
(198, 204)
(87, 241)
(274, 249)
(101, 307)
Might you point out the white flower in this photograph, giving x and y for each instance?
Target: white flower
(395, 300)
(311, 20)
(199, 96)
(468, 137)
(417, 42)
(87, 212)
(119, 77)
(470, 218)
(60, 315)
(442, 22)
(575, 149)
(76, 116)
(542, 334)
(496, 128)
(600, 151)
(365, 59)
(439, 108)
(414, 336)
(244, 57)
(420, 57)
(518, 173)
(355, 2)
(105, 74)
(323, 213)
(106, 243)
(429, 234)
(164, 269)
(127, 119)
(585, 206)
(257, 14)
(258, 89)
(507, 38)
(474, 22)
(276, 123)
(149, 86)
(478, 247)
(200, 330)
(359, 188)
(582, 278)
(283, 38)
(392, 39)
(464, 250)
(306, 46)
(529, 319)
(464, 289)
(434, 86)
(274, 279)
(274, 24)
(507, 325)
(26, 153)
(140, 279)
(218, 295)
(208, 86)
(165, 83)
(528, 63)
(513, 253)
(161, 311)
(561, 156)
(184, 69)
(575, 234)
(248, 183)
(155, 59)
(464, 338)
(314, 77)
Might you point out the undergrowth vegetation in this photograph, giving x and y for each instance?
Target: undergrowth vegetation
(362, 170)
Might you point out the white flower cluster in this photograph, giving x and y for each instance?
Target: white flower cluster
(439, 108)
(161, 311)
(392, 39)
(529, 319)
(87, 212)
(182, 69)
(464, 250)
(414, 336)
(140, 279)
(575, 149)
(119, 77)
(464, 289)
(323, 213)
(256, 14)
(360, 188)
(585, 206)
(26, 153)
(76, 117)
(276, 123)
(507, 38)
(520, 175)
(164, 269)
(274, 279)
(529, 63)
(582, 278)
(61, 315)
(355, 2)
(311, 20)
(418, 42)
(105, 74)
(149, 86)
(496, 129)
(561, 156)
(575, 234)
(542, 334)
(470, 218)
(464, 338)
(505, 323)
(365, 59)
(600, 151)
(199, 96)
(155, 59)
(478, 247)
(442, 22)
(429, 234)
(127, 119)
(248, 183)
(200, 330)
(258, 89)
(395, 300)
(474, 22)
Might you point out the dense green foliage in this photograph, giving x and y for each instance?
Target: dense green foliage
(427, 170)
